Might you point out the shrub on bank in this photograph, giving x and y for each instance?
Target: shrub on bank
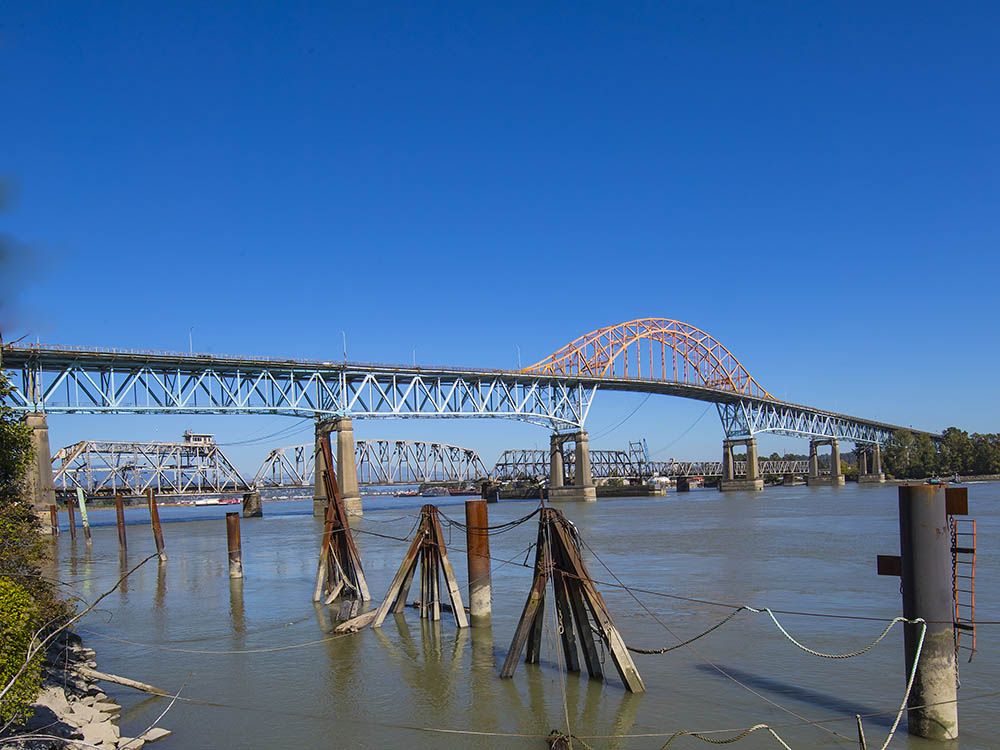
(19, 621)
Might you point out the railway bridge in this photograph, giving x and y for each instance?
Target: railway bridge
(658, 356)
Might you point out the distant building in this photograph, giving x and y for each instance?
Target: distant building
(195, 438)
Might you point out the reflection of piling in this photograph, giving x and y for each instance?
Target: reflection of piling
(478, 552)
(235, 545)
(927, 568)
(81, 502)
(54, 520)
(72, 519)
(154, 520)
(120, 518)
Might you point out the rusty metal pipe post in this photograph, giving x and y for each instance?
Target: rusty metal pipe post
(927, 568)
(154, 520)
(72, 519)
(54, 520)
(120, 518)
(478, 551)
(235, 545)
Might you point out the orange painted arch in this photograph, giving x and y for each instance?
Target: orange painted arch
(657, 349)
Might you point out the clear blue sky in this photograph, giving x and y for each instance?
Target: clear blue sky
(814, 184)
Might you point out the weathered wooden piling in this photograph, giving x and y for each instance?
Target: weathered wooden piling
(235, 545)
(557, 557)
(81, 502)
(927, 568)
(427, 549)
(339, 570)
(154, 521)
(478, 554)
(120, 519)
(53, 520)
(72, 519)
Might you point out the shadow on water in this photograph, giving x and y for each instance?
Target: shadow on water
(813, 697)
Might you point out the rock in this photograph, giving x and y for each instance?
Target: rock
(154, 734)
(81, 714)
(131, 743)
(107, 707)
(101, 732)
(54, 698)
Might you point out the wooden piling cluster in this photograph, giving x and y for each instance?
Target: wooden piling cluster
(577, 600)
(339, 571)
(428, 550)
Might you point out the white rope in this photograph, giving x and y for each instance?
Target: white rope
(823, 655)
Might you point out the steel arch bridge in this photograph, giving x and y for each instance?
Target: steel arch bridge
(379, 463)
(649, 355)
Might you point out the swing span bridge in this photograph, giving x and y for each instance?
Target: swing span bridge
(651, 355)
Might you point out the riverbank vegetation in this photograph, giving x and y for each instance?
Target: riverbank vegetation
(915, 456)
(29, 604)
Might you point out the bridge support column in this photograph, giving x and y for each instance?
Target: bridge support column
(816, 478)
(347, 467)
(751, 481)
(870, 471)
(323, 430)
(556, 470)
(583, 478)
(41, 485)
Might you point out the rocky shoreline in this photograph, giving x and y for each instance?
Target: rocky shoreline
(72, 711)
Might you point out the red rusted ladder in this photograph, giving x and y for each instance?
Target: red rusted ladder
(963, 554)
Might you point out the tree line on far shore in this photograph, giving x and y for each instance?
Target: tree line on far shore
(911, 455)
(915, 456)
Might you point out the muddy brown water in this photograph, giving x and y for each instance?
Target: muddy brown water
(257, 667)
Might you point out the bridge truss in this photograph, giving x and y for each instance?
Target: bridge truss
(529, 464)
(102, 467)
(649, 355)
(379, 463)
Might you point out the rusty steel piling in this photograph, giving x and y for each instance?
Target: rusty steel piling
(120, 519)
(72, 519)
(154, 520)
(235, 545)
(926, 569)
(478, 552)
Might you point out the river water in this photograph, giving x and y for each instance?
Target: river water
(257, 665)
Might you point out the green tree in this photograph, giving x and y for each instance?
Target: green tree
(986, 453)
(27, 600)
(957, 449)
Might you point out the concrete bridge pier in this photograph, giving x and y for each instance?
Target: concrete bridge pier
(751, 480)
(870, 464)
(583, 487)
(817, 478)
(41, 484)
(557, 473)
(347, 469)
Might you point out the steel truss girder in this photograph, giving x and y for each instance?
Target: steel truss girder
(534, 464)
(379, 463)
(748, 418)
(102, 467)
(82, 387)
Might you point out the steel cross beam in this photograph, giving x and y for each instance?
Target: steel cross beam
(379, 462)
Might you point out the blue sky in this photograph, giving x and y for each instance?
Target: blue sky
(814, 184)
